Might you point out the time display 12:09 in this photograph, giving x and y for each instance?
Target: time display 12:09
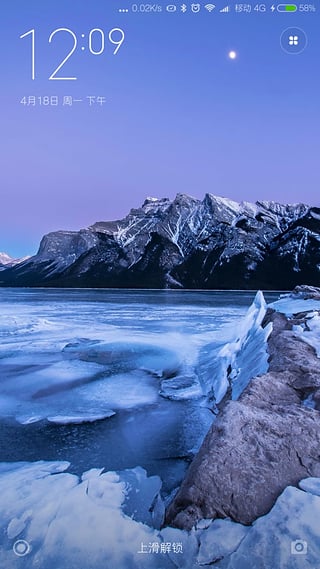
(96, 46)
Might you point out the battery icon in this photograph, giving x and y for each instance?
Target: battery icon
(287, 8)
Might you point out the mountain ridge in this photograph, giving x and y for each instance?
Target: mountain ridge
(183, 243)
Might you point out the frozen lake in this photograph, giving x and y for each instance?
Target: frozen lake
(81, 372)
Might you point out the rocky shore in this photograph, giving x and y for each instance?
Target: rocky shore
(259, 465)
(269, 438)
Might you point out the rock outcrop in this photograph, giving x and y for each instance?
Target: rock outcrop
(265, 441)
(306, 292)
(215, 243)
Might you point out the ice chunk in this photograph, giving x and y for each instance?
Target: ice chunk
(221, 539)
(143, 501)
(311, 485)
(181, 387)
(311, 335)
(92, 473)
(290, 306)
(29, 419)
(288, 536)
(204, 523)
(69, 419)
(234, 363)
(183, 547)
(72, 523)
(251, 359)
(37, 469)
(17, 525)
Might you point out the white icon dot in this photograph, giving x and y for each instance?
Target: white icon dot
(293, 40)
(21, 548)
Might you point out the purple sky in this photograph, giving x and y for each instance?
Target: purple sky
(180, 115)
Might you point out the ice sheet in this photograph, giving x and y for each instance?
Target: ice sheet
(77, 353)
(73, 388)
(219, 540)
(82, 522)
(287, 537)
(290, 306)
(72, 523)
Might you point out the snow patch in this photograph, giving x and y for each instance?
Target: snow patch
(311, 335)
(289, 305)
(309, 332)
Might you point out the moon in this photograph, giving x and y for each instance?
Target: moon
(232, 54)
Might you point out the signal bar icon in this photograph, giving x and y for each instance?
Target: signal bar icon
(210, 7)
(225, 10)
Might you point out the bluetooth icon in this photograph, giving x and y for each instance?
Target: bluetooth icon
(183, 8)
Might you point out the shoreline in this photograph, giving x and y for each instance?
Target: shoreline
(262, 442)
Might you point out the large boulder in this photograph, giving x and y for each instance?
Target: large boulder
(262, 443)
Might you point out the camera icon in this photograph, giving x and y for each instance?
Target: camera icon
(299, 547)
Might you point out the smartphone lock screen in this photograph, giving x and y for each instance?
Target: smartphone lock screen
(159, 285)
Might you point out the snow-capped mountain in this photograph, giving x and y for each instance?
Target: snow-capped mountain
(183, 243)
(7, 261)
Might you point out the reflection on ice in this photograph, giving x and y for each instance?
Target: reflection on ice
(126, 356)
(46, 380)
(85, 400)
(86, 353)
(90, 377)
(87, 377)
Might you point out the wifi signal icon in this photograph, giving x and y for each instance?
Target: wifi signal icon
(210, 7)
